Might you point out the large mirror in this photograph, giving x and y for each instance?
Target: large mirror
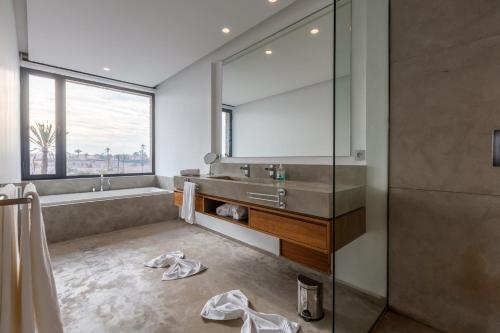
(277, 95)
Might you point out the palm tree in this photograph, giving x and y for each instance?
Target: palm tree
(43, 136)
(143, 148)
(107, 150)
(124, 157)
(118, 157)
(78, 151)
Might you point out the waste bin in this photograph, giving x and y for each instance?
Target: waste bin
(310, 298)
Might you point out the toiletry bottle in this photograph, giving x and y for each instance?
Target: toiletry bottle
(280, 173)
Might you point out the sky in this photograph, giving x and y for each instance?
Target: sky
(96, 118)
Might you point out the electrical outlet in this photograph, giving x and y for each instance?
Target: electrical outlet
(359, 155)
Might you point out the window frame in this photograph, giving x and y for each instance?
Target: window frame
(230, 114)
(60, 124)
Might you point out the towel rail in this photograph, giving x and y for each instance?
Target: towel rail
(197, 186)
(278, 198)
(4, 201)
(17, 201)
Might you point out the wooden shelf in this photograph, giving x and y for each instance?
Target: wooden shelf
(210, 208)
(243, 223)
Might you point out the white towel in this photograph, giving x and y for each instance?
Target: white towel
(9, 264)
(224, 210)
(234, 304)
(239, 212)
(183, 268)
(165, 260)
(39, 304)
(188, 202)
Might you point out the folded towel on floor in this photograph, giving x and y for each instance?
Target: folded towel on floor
(183, 268)
(190, 172)
(234, 304)
(165, 260)
(178, 266)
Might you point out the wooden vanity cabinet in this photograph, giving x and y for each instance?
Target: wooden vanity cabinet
(198, 206)
(304, 239)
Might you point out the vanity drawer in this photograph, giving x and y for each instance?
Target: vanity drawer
(198, 204)
(306, 256)
(311, 234)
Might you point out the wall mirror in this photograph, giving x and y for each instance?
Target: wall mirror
(277, 95)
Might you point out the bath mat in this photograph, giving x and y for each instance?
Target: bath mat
(234, 304)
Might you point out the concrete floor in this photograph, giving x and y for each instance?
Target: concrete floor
(394, 323)
(104, 287)
(355, 312)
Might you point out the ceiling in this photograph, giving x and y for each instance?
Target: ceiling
(298, 59)
(142, 42)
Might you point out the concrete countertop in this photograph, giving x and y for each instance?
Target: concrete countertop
(349, 198)
(309, 198)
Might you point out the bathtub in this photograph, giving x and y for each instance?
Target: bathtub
(75, 215)
(73, 198)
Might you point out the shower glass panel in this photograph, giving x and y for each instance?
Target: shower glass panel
(361, 185)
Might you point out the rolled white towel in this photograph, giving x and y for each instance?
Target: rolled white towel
(239, 212)
(224, 210)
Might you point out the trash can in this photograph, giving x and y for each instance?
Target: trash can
(310, 298)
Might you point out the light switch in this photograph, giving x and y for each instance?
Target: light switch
(496, 147)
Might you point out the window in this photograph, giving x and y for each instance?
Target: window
(227, 132)
(75, 128)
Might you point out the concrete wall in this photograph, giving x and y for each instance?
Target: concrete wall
(444, 253)
(363, 263)
(10, 155)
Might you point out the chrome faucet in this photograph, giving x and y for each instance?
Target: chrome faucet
(272, 171)
(246, 169)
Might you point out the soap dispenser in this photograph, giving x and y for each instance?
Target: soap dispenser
(280, 173)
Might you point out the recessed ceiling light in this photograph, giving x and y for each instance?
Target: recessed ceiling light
(107, 69)
(226, 30)
(268, 52)
(314, 31)
(272, 1)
